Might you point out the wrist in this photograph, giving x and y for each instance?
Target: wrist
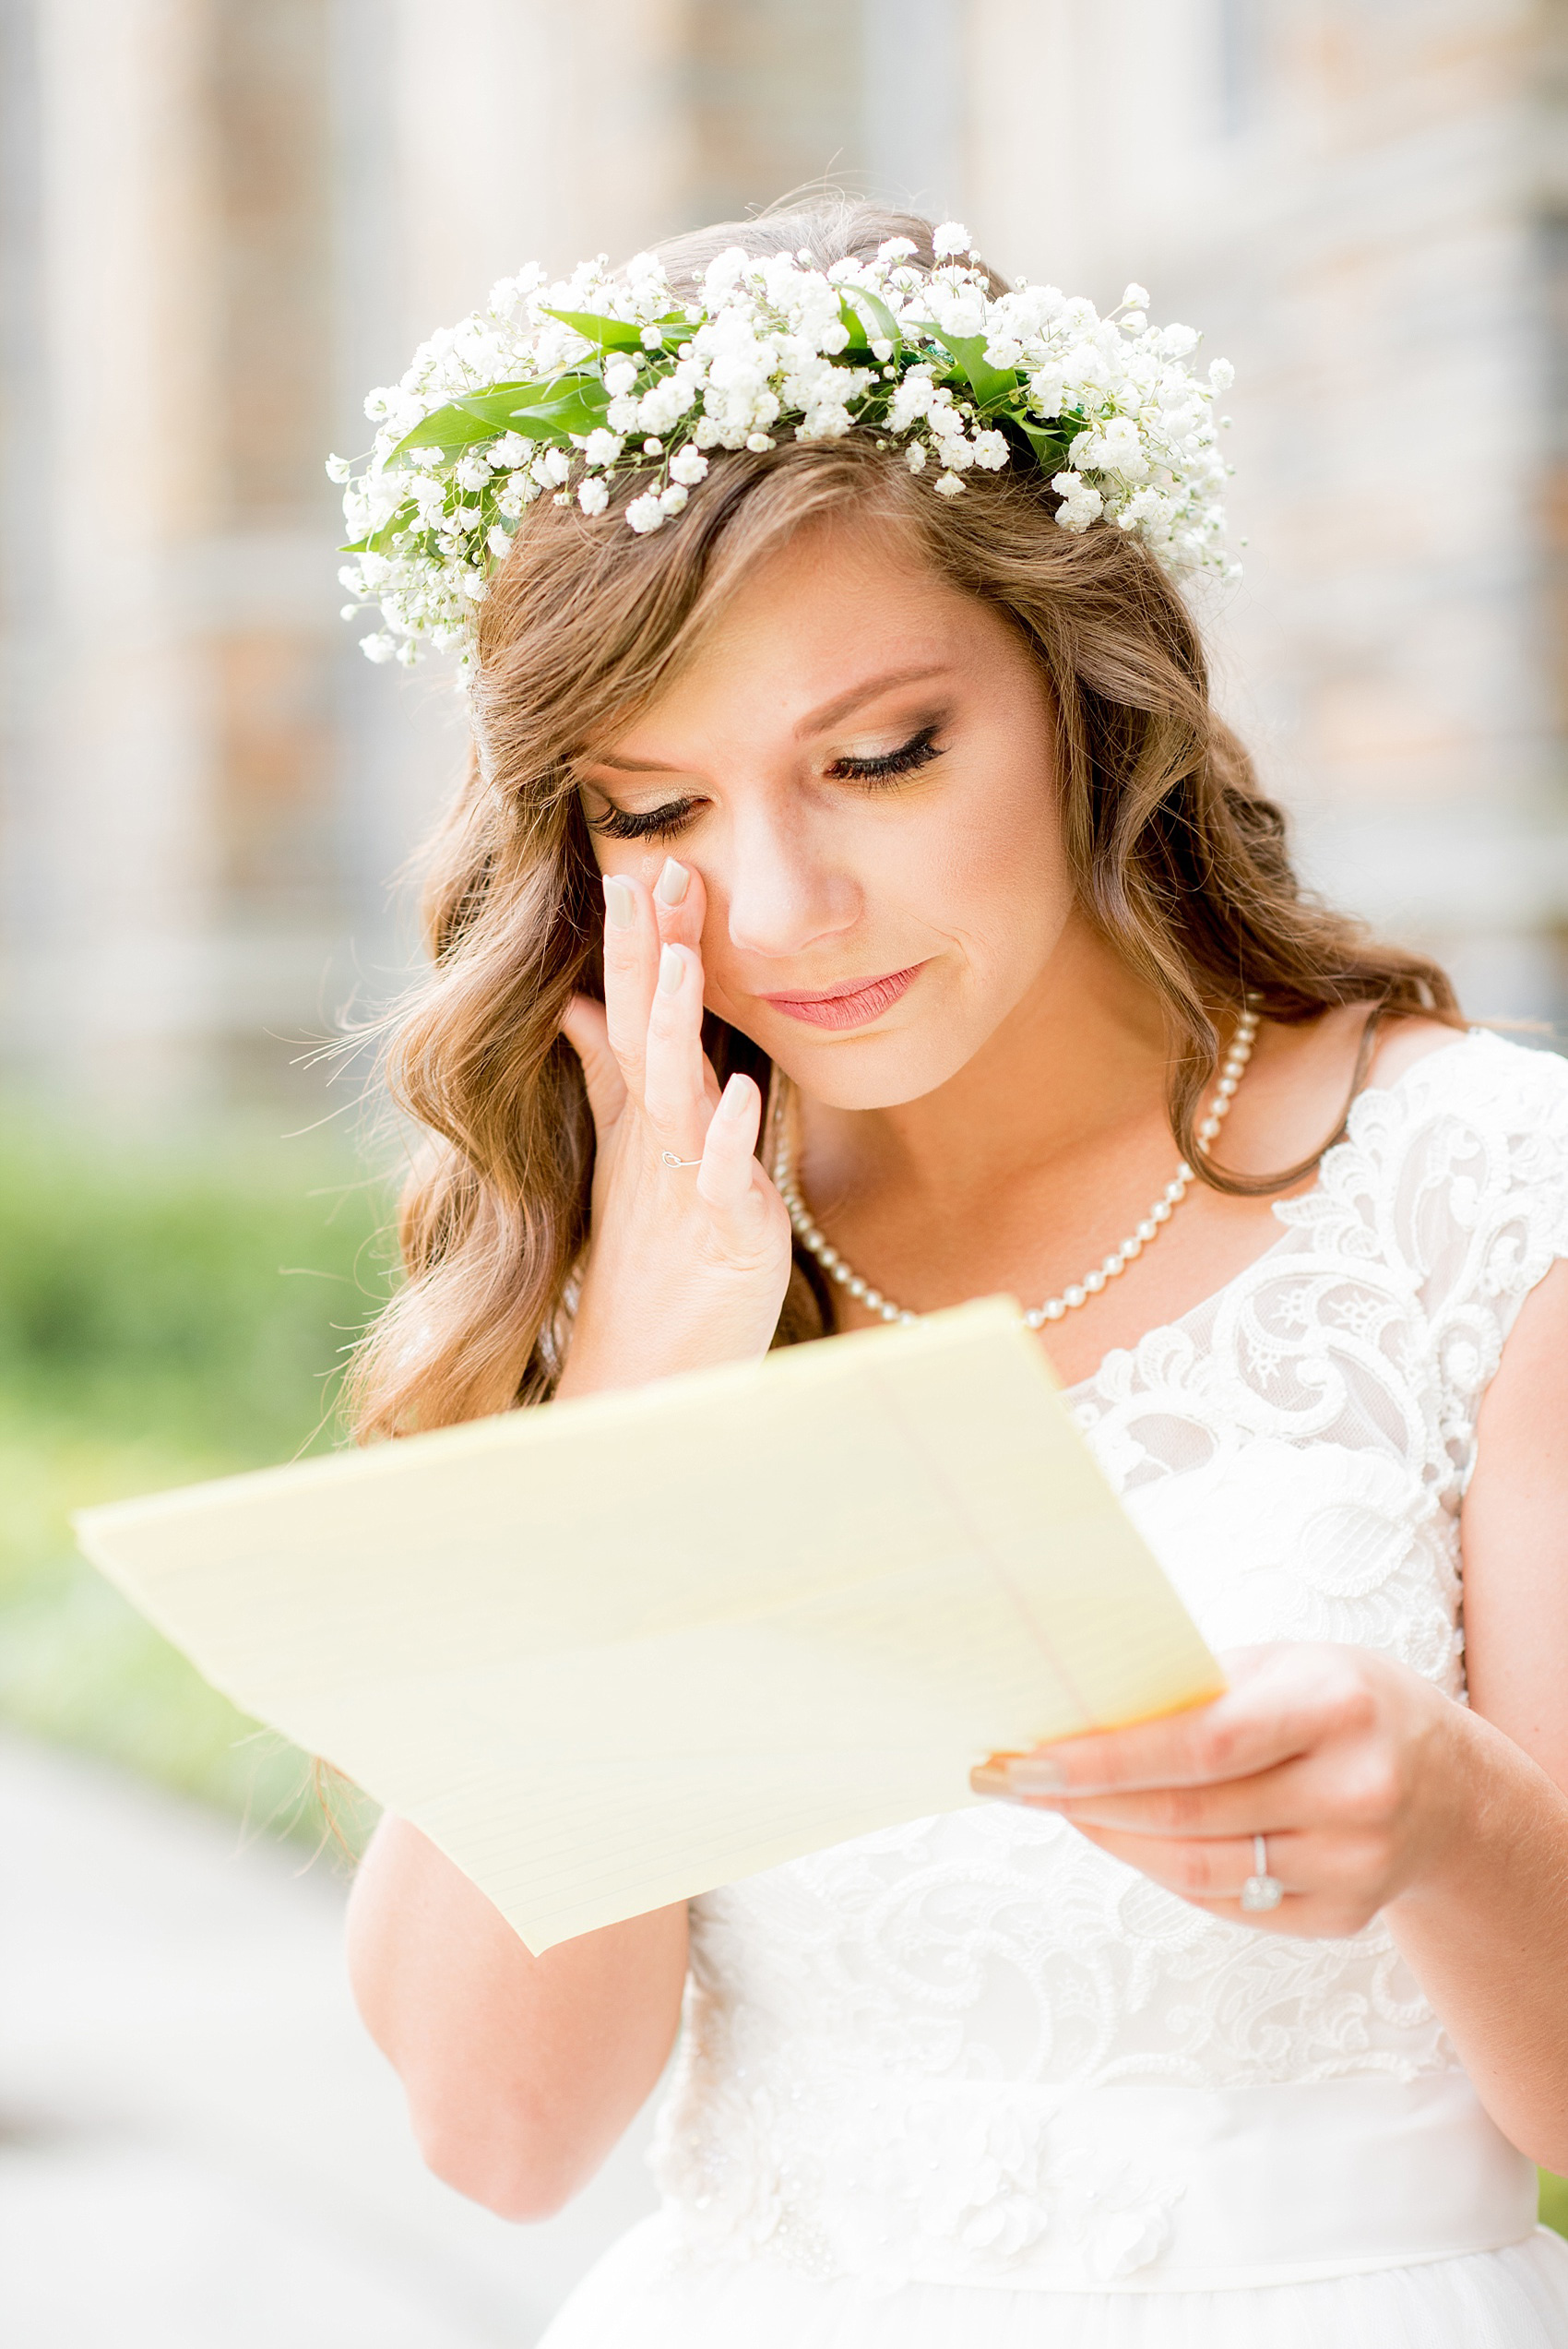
(603, 1362)
(1477, 1810)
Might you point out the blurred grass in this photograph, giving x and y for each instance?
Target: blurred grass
(163, 1317)
(161, 1321)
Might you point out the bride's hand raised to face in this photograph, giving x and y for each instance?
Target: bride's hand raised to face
(688, 1262)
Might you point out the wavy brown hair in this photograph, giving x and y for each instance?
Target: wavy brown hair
(1179, 858)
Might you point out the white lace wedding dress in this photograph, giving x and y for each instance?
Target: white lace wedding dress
(970, 2083)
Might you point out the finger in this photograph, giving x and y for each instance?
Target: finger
(1207, 1870)
(1273, 1712)
(674, 1093)
(584, 1027)
(680, 902)
(726, 1178)
(1294, 1795)
(631, 968)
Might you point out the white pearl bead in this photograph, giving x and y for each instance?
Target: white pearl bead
(1053, 1310)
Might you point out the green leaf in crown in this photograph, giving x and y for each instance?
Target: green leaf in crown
(567, 390)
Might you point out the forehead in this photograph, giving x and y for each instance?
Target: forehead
(839, 604)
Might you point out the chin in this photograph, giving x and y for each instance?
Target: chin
(867, 1069)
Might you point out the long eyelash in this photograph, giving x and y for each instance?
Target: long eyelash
(919, 751)
(654, 824)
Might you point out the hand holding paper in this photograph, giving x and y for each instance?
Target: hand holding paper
(613, 1652)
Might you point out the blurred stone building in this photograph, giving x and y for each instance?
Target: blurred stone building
(220, 221)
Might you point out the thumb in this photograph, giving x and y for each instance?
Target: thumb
(582, 1025)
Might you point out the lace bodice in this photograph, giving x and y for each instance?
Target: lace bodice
(888, 2023)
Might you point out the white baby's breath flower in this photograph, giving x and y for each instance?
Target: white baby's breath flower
(762, 357)
(1221, 375)
(379, 647)
(339, 469)
(1081, 503)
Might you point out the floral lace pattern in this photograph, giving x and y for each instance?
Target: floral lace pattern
(880, 2037)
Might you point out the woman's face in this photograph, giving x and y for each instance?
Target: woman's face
(859, 765)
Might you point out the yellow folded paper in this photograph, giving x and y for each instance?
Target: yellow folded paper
(611, 1654)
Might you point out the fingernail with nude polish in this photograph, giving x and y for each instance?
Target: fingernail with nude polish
(620, 905)
(670, 970)
(735, 1100)
(1036, 1774)
(990, 1779)
(672, 883)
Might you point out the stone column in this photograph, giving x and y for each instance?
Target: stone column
(1350, 202)
(113, 892)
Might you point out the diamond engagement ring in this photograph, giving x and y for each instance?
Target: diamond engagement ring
(1261, 1891)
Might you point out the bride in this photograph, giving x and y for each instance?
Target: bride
(855, 906)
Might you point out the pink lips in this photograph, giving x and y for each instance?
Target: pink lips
(850, 1005)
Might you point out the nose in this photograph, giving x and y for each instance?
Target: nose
(782, 893)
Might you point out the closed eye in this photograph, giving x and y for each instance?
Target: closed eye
(651, 824)
(919, 751)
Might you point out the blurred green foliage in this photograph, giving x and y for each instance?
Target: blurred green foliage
(165, 1316)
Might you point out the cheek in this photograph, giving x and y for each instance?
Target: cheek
(993, 874)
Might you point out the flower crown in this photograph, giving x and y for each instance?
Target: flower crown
(567, 390)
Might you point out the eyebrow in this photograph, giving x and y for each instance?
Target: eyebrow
(815, 721)
(844, 704)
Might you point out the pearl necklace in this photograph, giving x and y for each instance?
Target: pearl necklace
(816, 1242)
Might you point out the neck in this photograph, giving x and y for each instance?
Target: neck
(1084, 1052)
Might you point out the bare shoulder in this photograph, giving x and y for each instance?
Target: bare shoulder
(1299, 1087)
(1401, 1042)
